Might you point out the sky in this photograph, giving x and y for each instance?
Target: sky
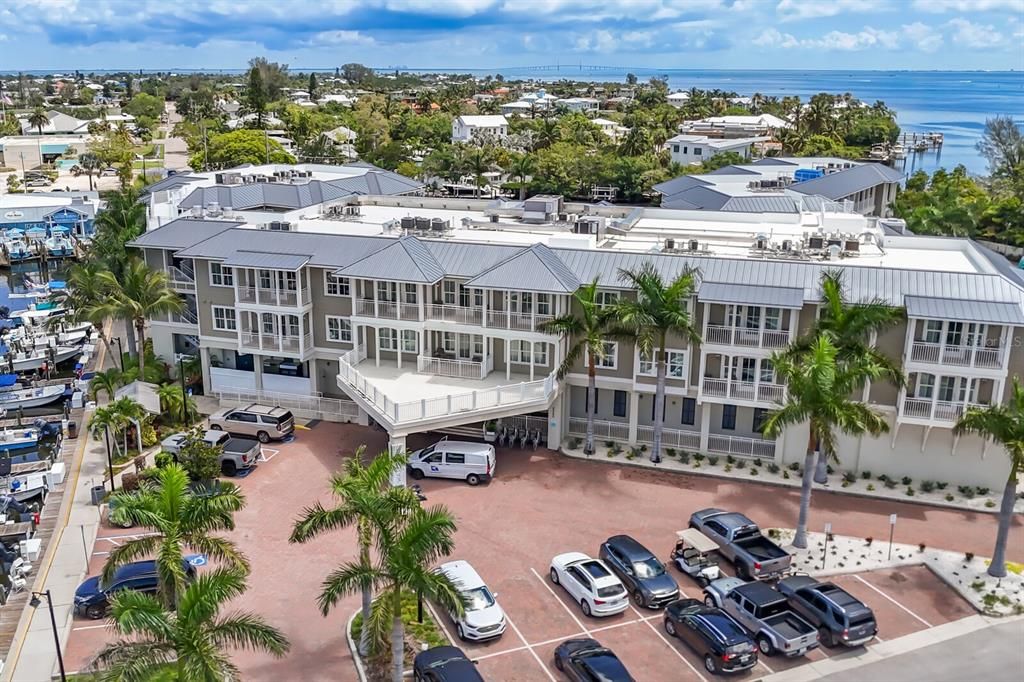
(63, 35)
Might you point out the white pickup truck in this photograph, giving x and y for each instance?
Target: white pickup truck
(237, 453)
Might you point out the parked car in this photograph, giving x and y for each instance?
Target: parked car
(590, 583)
(470, 462)
(585, 660)
(38, 182)
(640, 571)
(765, 614)
(483, 617)
(237, 452)
(444, 664)
(722, 642)
(92, 598)
(740, 541)
(262, 422)
(108, 171)
(840, 617)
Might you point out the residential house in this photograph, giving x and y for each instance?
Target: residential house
(464, 128)
(695, 149)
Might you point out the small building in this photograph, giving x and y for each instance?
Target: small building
(517, 108)
(678, 99)
(584, 105)
(75, 212)
(611, 128)
(32, 151)
(694, 149)
(464, 128)
(735, 126)
(57, 124)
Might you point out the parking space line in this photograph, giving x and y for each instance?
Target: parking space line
(91, 627)
(615, 625)
(567, 609)
(530, 649)
(919, 618)
(765, 665)
(263, 454)
(669, 645)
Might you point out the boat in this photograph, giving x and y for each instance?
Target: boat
(38, 313)
(30, 397)
(9, 382)
(67, 335)
(17, 246)
(28, 361)
(59, 246)
(15, 439)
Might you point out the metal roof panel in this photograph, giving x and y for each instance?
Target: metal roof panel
(751, 294)
(990, 312)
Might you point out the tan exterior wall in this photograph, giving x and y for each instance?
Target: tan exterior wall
(207, 296)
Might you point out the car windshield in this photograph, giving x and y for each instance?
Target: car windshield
(648, 568)
(427, 451)
(479, 599)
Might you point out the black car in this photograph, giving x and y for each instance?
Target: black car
(585, 660)
(723, 644)
(643, 575)
(92, 598)
(444, 664)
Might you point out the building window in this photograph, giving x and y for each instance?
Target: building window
(410, 341)
(697, 151)
(387, 291)
(767, 372)
(729, 417)
(387, 339)
(224, 318)
(760, 414)
(925, 385)
(609, 356)
(336, 286)
(686, 150)
(266, 281)
(543, 304)
(689, 415)
(606, 299)
(540, 353)
(409, 293)
(268, 324)
(519, 352)
(339, 329)
(933, 331)
(221, 275)
(675, 148)
(464, 296)
(645, 366)
(773, 319)
(676, 364)
(449, 291)
(619, 407)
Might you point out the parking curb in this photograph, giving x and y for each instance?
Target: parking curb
(357, 660)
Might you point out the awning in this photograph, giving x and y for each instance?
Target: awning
(268, 261)
(989, 312)
(750, 294)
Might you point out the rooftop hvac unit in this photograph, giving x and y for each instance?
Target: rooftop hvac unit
(232, 179)
(816, 243)
(408, 223)
(422, 223)
(351, 210)
(494, 218)
(437, 225)
(670, 244)
(563, 217)
(694, 245)
(218, 178)
(262, 178)
(787, 245)
(761, 243)
(851, 245)
(834, 241)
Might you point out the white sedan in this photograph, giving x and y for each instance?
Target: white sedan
(590, 583)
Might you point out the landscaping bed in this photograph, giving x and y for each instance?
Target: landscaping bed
(417, 635)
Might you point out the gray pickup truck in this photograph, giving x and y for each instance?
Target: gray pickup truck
(740, 541)
(840, 617)
(765, 613)
(237, 453)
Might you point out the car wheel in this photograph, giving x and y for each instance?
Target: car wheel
(216, 427)
(710, 601)
(263, 437)
(585, 606)
(460, 632)
(95, 611)
(228, 468)
(554, 576)
(558, 663)
(416, 474)
(670, 627)
(825, 636)
(710, 665)
(638, 599)
(764, 645)
(473, 479)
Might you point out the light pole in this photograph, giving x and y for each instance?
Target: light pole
(110, 460)
(34, 603)
(184, 394)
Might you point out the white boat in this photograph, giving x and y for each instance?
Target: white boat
(17, 247)
(59, 246)
(71, 335)
(12, 439)
(38, 313)
(33, 360)
(30, 397)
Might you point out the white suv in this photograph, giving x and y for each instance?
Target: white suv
(483, 617)
(256, 421)
(590, 583)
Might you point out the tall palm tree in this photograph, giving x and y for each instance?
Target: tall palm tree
(37, 119)
(142, 293)
(90, 164)
(191, 640)
(636, 142)
(86, 291)
(820, 386)
(659, 309)
(1005, 425)
(586, 333)
(520, 168)
(107, 419)
(107, 381)
(479, 160)
(176, 518)
(548, 133)
(366, 499)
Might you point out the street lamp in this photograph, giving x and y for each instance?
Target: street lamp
(34, 603)
(184, 393)
(110, 460)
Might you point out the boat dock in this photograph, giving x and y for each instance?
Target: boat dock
(920, 142)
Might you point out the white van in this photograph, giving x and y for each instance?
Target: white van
(470, 462)
(483, 617)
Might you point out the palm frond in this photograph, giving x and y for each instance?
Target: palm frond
(241, 630)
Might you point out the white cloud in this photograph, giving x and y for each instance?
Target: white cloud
(833, 40)
(792, 10)
(968, 6)
(924, 37)
(973, 35)
(771, 37)
(596, 41)
(341, 38)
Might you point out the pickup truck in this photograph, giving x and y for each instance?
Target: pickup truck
(840, 617)
(237, 453)
(740, 541)
(764, 613)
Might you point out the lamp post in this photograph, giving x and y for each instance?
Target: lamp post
(34, 603)
(110, 460)
(184, 393)
(120, 352)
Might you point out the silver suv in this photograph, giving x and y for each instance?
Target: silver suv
(255, 420)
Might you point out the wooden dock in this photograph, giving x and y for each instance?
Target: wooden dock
(919, 142)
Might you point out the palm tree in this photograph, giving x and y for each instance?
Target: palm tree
(1005, 425)
(366, 500)
(479, 160)
(142, 293)
(191, 640)
(130, 412)
(586, 333)
(821, 384)
(173, 400)
(90, 164)
(107, 381)
(87, 290)
(548, 133)
(106, 419)
(520, 168)
(177, 518)
(636, 142)
(37, 119)
(659, 309)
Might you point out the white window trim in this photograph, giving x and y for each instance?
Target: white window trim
(407, 335)
(392, 340)
(234, 273)
(612, 355)
(342, 331)
(654, 368)
(347, 285)
(229, 317)
(522, 355)
(602, 296)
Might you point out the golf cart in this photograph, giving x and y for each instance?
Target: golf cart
(692, 555)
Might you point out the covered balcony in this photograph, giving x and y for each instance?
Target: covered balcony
(935, 400)
(958, 343)
(277, 280)
(727, 378)
(749, 316)
(275, 333)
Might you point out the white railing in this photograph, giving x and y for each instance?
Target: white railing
(304, 406)
(740, 446)
(184, 316)
(741, 336)
(248, 294)
(180, 279)
(455, 313)
(936, 411)
(956, 356)
(431, 408)
(743, 390)
(528, 422)
(603, 430)
(459, 369)
(388, 310)
(526, 322)
(670, 438)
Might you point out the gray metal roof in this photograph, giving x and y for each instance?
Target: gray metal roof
(323, 250)
(960, 309)
(732, 170)
(469, 260)
(181, 233)
(536, 268)
(404, 260)
(702, 197)
(770, 161)
(270, 261)
(748, 294)
(170, 181)
(850, 181)
(680, 184)
(767, 203)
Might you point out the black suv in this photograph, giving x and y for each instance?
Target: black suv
(585, 660)
(92, 598)
(840, 617)
(640, 571)
(723, 644)
(444, 664)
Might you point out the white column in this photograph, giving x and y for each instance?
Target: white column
(398, 347)
(705, 426)
(483, 313)
(531, 360)
(373, 291)
(396, 444)
(634, 415)
(508, 359)
(555, 430)
(421, 298)
(704, 322)
(257, 366)
(376, 344)
(204, 360)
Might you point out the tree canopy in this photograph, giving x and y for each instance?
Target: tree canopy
(238, 147)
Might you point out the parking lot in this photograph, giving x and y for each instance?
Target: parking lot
(540, 505)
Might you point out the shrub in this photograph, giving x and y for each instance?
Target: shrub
(883, 478)
(982, 490)
(741, 464)
(927, 486)
(140, 463)
(871, 487)
(728, 467)
(670, 452)
(162, 459)
(849, 477)
(941, 485)
(906, 480)
(616, 448)
(643, 447)
(574, 443)
(753, 471)
(966, 490)
(890, 484)
(794, 466)
(978, 585)
(950, 497)
(633, 453)
(684, 456)
(968, 557)
(712, 460)
(730, 459)
(909, 492)
(845, 483)
(785, 474)
(698, 458)
(149, 435)
(829, 470)
(990, 503)
(772, 467)
(129, 482)
(609, 443)
(866, 475)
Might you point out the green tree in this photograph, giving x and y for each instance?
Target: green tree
(177, 518)
(256, 96)
(520, 168)
(191, 640)
(239, 147)
(479, 161)
(661, 308)
(38, 119)
(105, 420)
(107, 381)
(821, 388)
(199, 459)
(586, 333)
(86, 292)
(90, 164)
(146, 105)
(1002, 145)
(173, 401)
(13, 184)
(274, 77)
(313, 94)
(1005, 425)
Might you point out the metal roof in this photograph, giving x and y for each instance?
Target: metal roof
(748, 294)
(299, 195)
(404, 260)
(536, 268)
(167, 183)
(761, 204)
(680, 184)
(702, 197)
(770, 161)
(850, 181)
(181, 233)
(960, 309)
(270, 261)
(732, 170)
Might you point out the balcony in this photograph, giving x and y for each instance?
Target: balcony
(290, 345)
(982, 357)
(181, 279)
(456, 314)
(457, 369)
(750, 391)
(185, 316)
(270, 297)
(740, 446)
(934, 411)
(746, 338)
(387, 310)
(524, 322)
